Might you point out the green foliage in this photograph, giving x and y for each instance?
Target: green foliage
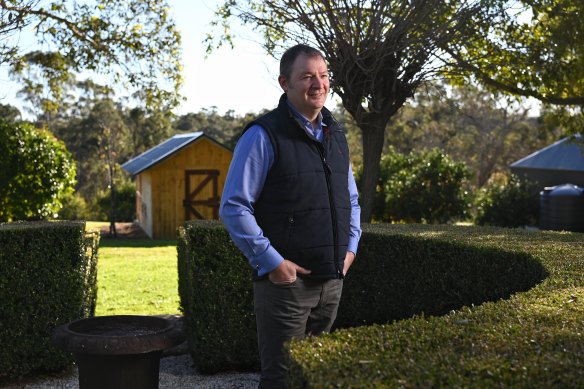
(125, 203)
(568, 118)
(529, 340)
(225, 129)
(514, 204)
(73, 207)
(508, 298)
(420, 187)
(484, 130)
(131, 42)
(47, 278)
(104, 136)
(533, 50)
(9, 113)
(36, 170)
(379, 52)
(146, 129)
(423, 275)
(216, 299)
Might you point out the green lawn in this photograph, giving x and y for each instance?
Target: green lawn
(137, 277)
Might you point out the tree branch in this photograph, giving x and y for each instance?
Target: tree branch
(513, 89)
(48, 15)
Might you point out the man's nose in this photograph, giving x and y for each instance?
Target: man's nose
(318, 83)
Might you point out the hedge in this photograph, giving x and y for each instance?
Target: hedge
(48, 278)
(531, 339)
(434, 306)
(216, 299)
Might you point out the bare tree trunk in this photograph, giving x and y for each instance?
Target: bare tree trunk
(373, 137)
(112, 228)
(111, 167)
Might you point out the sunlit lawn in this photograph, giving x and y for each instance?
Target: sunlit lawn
(136, 276)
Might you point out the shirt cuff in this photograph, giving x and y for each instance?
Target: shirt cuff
(352, 246)
(266, 261)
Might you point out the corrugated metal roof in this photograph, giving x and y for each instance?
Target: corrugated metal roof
(565, 154)
(158, 153)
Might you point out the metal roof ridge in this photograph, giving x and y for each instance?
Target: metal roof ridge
(541, 151)
(160, 144)
(194, 135)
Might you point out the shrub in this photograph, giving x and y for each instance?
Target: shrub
(74, 207)
(216, 298)
(514, 204)
(409, 274)
(426, 187)
(48, 278)
(507, 300)
(36, 170)
(125, 203)
(529, 340)
(399, 276)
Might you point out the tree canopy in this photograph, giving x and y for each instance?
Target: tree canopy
(536, 49)
(132, 43)
(380, 52)
(539, 54)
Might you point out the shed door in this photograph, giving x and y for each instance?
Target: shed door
(201, 194)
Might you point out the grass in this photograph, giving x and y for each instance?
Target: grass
(136, 276)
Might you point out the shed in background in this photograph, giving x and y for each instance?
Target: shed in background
(556, 164)
(180, 179)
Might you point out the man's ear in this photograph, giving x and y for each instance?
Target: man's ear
(283, 83)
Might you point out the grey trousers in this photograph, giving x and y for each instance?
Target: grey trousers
(283, 312)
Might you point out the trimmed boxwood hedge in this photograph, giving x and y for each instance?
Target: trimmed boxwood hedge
(510, 306)
(399, 276)
(216, 297)
(532, 339)
(47, 278)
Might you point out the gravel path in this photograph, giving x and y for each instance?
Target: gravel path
(176, 372)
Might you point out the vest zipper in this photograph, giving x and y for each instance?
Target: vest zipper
(327, 173)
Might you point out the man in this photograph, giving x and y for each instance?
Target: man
(290, 205)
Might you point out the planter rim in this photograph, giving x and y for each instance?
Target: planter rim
(112, 335)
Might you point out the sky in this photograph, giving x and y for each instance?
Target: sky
(242, 79)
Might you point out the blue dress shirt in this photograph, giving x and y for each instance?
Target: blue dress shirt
(252, 159)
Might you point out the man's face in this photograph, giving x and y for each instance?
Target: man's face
(308, 85)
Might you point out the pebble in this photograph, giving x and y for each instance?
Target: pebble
(176, 372)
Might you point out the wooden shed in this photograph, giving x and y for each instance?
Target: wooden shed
(178, 180)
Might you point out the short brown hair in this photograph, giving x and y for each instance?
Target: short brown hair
(292, 53)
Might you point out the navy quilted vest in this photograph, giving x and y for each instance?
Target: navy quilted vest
(304, 208)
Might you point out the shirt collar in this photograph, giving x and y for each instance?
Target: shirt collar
(312, 130)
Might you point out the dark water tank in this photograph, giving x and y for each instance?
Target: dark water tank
(562, 208)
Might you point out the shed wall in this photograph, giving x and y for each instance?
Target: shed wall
(167, 186)
(144, 201)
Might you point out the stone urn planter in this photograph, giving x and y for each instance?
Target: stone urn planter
(121, 351)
